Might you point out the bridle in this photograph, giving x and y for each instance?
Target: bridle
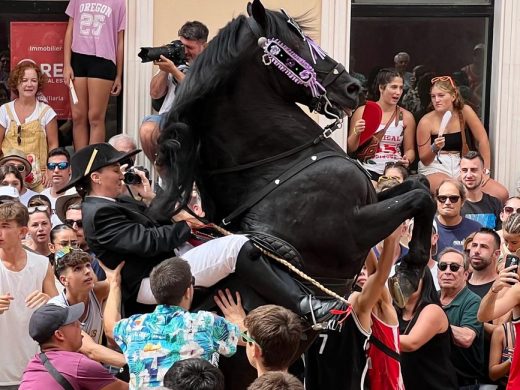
(299, 70)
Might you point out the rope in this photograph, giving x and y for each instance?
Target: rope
(291, 267)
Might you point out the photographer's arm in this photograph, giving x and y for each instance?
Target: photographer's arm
(159, 83)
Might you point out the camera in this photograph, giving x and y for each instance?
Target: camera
(174, 51)
(131, 178)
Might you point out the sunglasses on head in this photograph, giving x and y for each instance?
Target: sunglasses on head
(34, 209)
(18, 167)
(511, 210)
(444, 78)
(246, 338)
(61, 165)
(388, 178)
(454, 267)
(444, 198)
(62, 252)
(71, 222)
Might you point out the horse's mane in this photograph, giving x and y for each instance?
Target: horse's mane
(218, 62)
(178, 144)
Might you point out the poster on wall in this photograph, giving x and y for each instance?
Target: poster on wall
(42, 42)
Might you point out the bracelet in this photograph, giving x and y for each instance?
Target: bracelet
(435, 149)
(355, 131)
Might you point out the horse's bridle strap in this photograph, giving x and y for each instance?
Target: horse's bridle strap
(333, 75)
(292, 171)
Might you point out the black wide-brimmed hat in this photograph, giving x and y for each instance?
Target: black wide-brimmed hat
(92, 158)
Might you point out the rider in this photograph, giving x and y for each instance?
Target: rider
(118, 229)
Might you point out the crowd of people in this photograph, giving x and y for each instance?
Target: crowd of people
(97, 293)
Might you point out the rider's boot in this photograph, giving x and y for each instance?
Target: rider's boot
(278, 287)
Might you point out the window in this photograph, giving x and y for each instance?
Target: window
(448, 40)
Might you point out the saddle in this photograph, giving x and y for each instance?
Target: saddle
(277, 246)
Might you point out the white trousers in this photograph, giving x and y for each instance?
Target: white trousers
(209, 262)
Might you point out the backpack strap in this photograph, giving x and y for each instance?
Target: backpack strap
(10, 113)
(64, 383)
(44, 111)
(384, 348)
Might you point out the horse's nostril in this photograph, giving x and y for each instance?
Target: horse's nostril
(353, 89)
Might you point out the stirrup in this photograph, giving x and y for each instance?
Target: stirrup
(396, 292)
(315, 325)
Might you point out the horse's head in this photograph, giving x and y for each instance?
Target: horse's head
(329, 89)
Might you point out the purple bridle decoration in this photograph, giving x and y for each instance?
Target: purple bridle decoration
(290, 63)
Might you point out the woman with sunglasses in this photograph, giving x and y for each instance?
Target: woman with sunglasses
(26, 123)
(397, 142)
(440, 156)
(62, 236)
(425, 340)
(39, 229)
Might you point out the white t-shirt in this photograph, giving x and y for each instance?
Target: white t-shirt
(5, 121)
(17, 346)
(24, 199)
(47, 192)
(170, 94)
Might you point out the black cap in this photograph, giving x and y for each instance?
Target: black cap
(92, 158)
(50, 317)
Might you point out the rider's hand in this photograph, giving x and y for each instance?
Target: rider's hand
(192, 222)
(233, 311)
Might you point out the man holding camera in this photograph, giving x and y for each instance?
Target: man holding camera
(194, 36)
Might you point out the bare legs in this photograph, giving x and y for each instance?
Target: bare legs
(90, 112)
(148, 134)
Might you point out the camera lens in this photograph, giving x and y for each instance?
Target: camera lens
(131, 178)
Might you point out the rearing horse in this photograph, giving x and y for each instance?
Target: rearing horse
(262, 164)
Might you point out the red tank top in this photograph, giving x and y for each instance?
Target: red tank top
(514, 374)
(384, 371)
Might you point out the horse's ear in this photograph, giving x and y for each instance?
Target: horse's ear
(258, 13)
(249, 9)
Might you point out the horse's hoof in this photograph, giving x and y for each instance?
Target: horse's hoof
(395, 292)
(405, 283)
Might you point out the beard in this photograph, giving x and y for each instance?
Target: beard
(481, 265)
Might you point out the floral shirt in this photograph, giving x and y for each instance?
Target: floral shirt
(153, 342)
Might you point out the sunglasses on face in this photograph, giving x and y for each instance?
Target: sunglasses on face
(18, 167)
(61, 165)
(454, 267)
(71, 222)
(246, 338)
(511, 210)
(444, 198)
(34, 209)
(193, 280)
(444, 78)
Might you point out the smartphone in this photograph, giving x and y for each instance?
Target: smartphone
(512, 260)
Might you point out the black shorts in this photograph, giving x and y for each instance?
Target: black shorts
(94, 67)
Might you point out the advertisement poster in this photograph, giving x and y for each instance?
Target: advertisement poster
(42, 42)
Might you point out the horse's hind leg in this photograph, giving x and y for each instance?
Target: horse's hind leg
(377, 221)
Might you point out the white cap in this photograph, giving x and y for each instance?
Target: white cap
(9, 191)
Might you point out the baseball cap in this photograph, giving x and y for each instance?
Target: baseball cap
(50, 317)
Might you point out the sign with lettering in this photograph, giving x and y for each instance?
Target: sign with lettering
(42, 42)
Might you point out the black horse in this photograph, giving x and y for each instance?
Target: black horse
(262, 164)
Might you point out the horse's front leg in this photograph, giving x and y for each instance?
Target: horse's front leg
(378, 220)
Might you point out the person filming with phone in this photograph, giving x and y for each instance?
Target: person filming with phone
(504, 294)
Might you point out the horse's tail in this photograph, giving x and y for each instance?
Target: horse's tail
(176, 156)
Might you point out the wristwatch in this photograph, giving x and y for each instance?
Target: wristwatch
(487, 171)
